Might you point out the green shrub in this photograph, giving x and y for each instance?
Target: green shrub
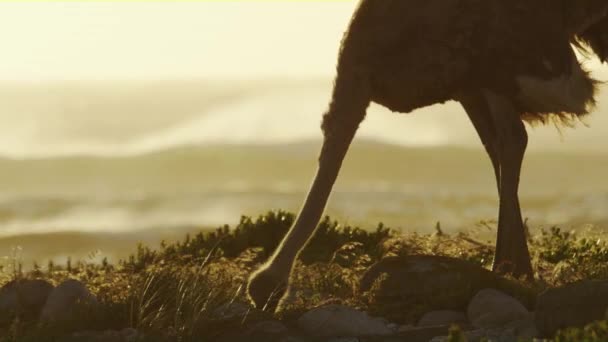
(265, 232)
(594, 332)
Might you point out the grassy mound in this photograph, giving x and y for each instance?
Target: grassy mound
(177, 290)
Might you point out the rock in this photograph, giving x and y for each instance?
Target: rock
(345, 339)
(491, 309)
(239, 321)
(269, 331)
(573, 305)
(24, 296)
(232, 310)
(125, 335)
(295, 339)
(65, 299)
(393, 326)
(429, 283)
(341, 321)
(421, 334)
(266, 331)
(443, 317)
(516, 331)
(524, 329)
(238, 313)
(482, 335)
(273, 328)
(406, 327)
(129, 334)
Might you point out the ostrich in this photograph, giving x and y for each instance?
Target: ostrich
(506, 62)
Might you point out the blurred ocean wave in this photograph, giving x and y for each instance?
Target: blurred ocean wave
(208, 186)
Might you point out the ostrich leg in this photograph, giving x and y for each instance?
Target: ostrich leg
(512, 255)
(476, 107)
(347, 109)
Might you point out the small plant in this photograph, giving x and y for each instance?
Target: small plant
(572, 257)
(455, 334)
(594, 332)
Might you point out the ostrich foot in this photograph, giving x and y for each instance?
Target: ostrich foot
(517, 265)
(512, 255)
(266, 287)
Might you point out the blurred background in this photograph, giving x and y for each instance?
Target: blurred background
(126, 122)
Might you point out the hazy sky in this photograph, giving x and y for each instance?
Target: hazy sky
(113, 40)
(110, 40)
(210, 40)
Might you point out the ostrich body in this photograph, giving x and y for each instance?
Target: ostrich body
(506, 62)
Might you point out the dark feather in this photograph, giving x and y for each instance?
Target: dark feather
(594, 40)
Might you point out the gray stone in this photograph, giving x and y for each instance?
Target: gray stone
(65, 299)
(429, 283)
(295, 338)
(422, 334)
(406, 327)
(490, 308)
(240, 322)
(516, 331)
(483, 335)
(232, 310)
(268, 331)
(24, 296)
(268, 328)
(443, 317)
(125, 335)
(341, 321)
(344, 339)
(524, 328)
(393, 326)
(235, 315)
(130, 334)
(573, 305)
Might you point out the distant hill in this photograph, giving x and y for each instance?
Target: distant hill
(202, 168)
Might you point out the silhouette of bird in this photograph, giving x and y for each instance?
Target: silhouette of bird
(506, 62)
